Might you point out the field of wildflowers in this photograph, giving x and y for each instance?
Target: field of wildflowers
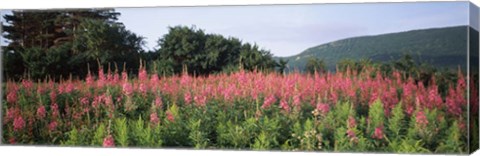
(341, 112)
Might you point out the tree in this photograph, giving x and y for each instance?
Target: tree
(315, 65)
(58, 43)
(282, 65)
(204, 54)
(102, 42)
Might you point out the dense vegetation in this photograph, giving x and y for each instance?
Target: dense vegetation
(342, 111)
(203, 54)
(60, 44)
(440, 47)
(380, 93)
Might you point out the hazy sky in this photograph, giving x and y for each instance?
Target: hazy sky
(289, 29)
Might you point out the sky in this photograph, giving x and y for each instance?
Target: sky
(287, 30)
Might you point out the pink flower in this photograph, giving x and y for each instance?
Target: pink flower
(108, 141)
(268, 101)
(52, 126)
(27, 84)
(143, 88)
(421, 119)
(116, 78)
(351, 133)
(154, 79)
(154, 118)
(284, 105)
(12, 140)
(452, 102)
(127, 89)
(69, 87)
(188, 97)
(124, 76)
(18, 123)
(11, 114)
(378, 134)
(101, 77)
(323, 108)
(334, 97)
(142, 75)
(170, 116)
(53, 96)
(89, 80)
(55, 111)
(41, 112)
(12, 96)
(84, 100)
(296, 100)
(97, 100)
(200, 100)
(158, 102)
(109, 76)
(107, 99)
(351, 122)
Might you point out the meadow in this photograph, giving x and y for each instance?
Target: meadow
(342, 112)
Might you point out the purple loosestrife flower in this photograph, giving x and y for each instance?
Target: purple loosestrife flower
(170, 116)
(158, 102)
(12, 96)
(18, 123)
(351, 122)
(188, 97)
(89, 80)
(378, 134)
(142, 75)
(323, 108)
(268, 101)
(284, 105)
(52, 126)
(127, 89)
(421, 119)
(41, 112)
(154, 118)
(108, 141)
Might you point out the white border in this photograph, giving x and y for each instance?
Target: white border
(50, 4)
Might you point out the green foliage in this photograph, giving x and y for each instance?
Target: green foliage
(441, 47)
(376, 116)
(140, 134)
(409, 145)
(315, 65)
(176, 132)
(452, 143)
(269, 133)
(262, 142)
(73, 138)
(157, 137)
(341, 140)
(396, 122)
(203, 54)
(99, 135)
(305, 137)
(59, 43)
(121, 132)
(197, 136)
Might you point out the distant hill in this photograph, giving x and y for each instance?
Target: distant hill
(441, 47)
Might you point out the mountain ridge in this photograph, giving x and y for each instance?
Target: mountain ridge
(432, 45)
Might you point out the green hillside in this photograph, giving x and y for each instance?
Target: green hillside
(441, 47)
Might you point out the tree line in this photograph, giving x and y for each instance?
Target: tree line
(58, 44)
